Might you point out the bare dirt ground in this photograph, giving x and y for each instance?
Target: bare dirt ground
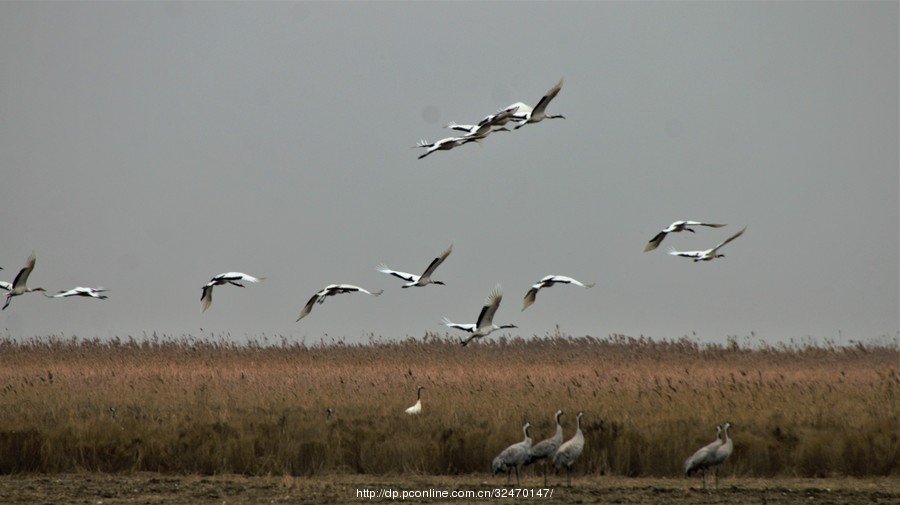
(147, 488)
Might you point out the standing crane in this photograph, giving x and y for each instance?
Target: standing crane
(513, 456)
(417, 408)
(722, 452)
(545, 449)
(569, 451)
(701, 460)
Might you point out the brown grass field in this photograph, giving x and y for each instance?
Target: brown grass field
(144, 488)
(206, 414)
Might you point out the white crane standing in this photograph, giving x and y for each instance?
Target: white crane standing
(18, 286)
(331, 290)
(513, 456)
(709, 254)
(419, 280)
(233, 278)
(484, 325)
(417, 408)
(547, 282)
(569, 451)
(677, 226)
(544, 450)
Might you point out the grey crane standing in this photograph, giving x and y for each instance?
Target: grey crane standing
(569, 451)
(702, 459)
(722, 452)
(545, 449)
(513, 456)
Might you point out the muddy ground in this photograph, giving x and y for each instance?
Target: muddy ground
(145, 488)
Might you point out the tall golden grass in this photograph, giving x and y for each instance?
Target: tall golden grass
(203, 406)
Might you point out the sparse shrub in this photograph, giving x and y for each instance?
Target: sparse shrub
(816, 454)
(20, 451)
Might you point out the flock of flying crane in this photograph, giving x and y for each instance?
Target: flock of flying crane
(483, 326)
(519, 113)
(552, 450)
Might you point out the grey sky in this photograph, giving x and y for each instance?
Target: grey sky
(148, 146)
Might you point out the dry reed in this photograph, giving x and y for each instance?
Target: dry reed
(200, 406)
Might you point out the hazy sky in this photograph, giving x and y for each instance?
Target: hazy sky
(146, 147)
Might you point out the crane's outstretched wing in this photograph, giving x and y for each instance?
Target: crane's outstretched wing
(408, 277)
(309, 306)
(437, 261)
(729, 239)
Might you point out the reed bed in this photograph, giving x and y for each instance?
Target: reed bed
(197, 406)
